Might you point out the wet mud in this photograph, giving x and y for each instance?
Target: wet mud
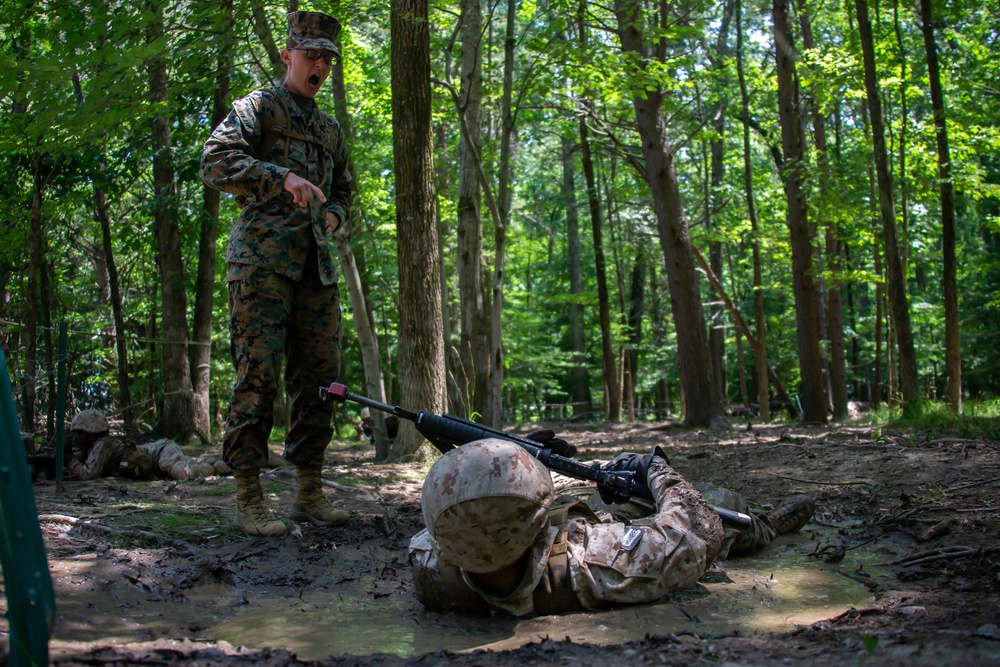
(154, 572)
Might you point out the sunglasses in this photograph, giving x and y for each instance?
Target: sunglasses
(316, 54)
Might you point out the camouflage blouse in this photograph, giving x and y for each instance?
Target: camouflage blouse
(272, 232)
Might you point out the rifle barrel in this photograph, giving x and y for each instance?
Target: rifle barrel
(446, 432)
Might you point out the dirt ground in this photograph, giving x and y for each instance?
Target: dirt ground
(154, 573)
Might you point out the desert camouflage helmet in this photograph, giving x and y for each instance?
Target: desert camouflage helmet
(90, 421)
(485, 503)
(313, 30)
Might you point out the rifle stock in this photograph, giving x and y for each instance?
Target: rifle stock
(446, 432)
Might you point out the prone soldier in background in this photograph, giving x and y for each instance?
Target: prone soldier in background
(93, 452)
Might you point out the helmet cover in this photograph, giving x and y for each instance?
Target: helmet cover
(90, 421)
(485, 503)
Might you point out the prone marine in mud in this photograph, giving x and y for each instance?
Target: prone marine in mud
(94, 452)
(498, 538)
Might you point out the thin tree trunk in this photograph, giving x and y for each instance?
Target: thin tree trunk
(421, 346)
(835, 310)
(352, 266)
(474, 297)
(177, 420)
(612, 390)
(493, 415)
(876, 390)
(263, 31)
(742, 326)
(121, 342)
(909, 382)
(701, 402)
(201, 352)
(45, 272)
(952, 339)
(807, 315)
(904, 218)
(636, 312)
(580, 384)
(717, 333)
(760, 349)
(31, 295)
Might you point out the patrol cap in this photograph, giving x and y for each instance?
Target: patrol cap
(486, 503)
(90, 421)
(314, 30)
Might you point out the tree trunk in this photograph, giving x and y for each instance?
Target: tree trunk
(178, 418)
(701, 403)
(760, 349)
(636, 311)
(353, 270)
(580, 391)
(813, 394)
(952, 341)
(493, 415)
(612, 390)
(474, 297)
(31, 295)
(717, 332)
(201, 351)
(421, 347)
(263, 31)
(121, 342)
(835, 310)
(896, 282)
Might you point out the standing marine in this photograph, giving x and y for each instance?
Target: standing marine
(285, 160)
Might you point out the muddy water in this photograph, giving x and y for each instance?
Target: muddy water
(775, 591)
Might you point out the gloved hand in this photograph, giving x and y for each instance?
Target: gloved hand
(547, 439)
(637, 464)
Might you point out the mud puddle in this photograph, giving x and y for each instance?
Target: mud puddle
(775, 591)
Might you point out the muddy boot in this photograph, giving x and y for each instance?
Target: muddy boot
(310, 505)
(792, 514)
(252, 513)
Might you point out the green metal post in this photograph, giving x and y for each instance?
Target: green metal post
(31, 606)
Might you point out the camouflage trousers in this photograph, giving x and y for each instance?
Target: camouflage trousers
(273, 316)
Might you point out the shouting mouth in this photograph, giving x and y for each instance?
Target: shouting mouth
(314, 80)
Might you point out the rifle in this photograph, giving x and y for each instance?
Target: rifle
(446, 432)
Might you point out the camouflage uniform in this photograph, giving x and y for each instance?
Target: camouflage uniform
(169, 462)
(283, 295)
(104, 459)
(161, 459)
(580, 562)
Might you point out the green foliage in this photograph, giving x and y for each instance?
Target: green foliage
(75, 90)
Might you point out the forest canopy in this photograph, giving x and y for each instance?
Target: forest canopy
(641, 211)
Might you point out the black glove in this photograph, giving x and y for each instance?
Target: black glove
(637, 464)
(548, 440)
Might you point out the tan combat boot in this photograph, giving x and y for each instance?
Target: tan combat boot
(252, 513)
(310, 505)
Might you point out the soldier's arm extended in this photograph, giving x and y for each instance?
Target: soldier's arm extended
(642, 562)
(228, 161)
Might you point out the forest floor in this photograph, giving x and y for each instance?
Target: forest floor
(900, 565)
